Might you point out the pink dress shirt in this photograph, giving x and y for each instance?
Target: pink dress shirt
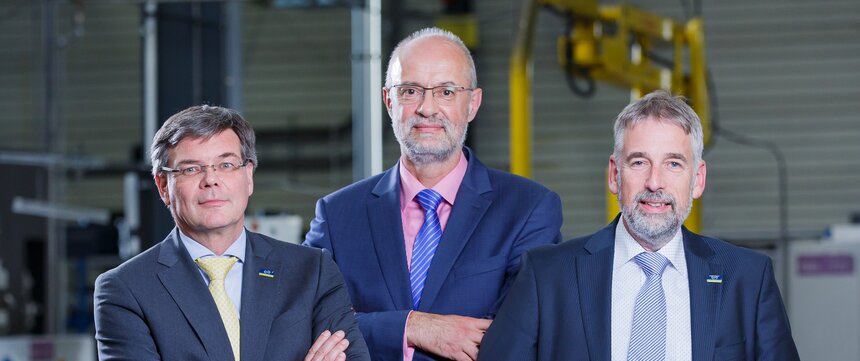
(412, 215)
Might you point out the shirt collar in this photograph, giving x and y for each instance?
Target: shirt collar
(626, 248)
(447, 187)
(197, 250)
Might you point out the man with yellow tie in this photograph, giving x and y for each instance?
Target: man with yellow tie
(213, 290)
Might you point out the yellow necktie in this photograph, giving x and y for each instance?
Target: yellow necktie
(217, 269)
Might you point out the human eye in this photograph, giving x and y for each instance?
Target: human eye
(675, 165)
(191, 169)
(637, 164)
(409, 91)
(446, 92)
(226, 166)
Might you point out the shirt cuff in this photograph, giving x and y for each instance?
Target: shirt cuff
(408, 352)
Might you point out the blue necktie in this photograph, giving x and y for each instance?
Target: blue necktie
(648, 335)
(425, 243)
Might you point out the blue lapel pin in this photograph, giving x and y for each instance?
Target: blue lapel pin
(265, 272)
(715, 279)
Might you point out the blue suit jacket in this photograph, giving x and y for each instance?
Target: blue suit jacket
(559, 307)
(496, 217)
(156, 306)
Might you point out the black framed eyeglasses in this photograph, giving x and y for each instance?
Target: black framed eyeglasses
(195, 169)
(411, 94)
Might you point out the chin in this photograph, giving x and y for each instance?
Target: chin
(217, 223)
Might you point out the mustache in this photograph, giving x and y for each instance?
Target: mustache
(658, 196)
(435, 120)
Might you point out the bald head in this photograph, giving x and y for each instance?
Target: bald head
(431, 41)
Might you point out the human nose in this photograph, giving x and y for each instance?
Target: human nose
(427, 105)
(655, 179)
(210, 176)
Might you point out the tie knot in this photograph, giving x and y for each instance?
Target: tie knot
(652, 263)
(429, 199)
(216, 267)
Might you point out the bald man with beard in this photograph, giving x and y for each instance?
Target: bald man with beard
(429, 247)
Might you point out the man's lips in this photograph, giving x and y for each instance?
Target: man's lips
(655, 206)
(211, 202)
(428, 127)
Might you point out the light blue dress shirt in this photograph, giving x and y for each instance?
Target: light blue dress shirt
(233, 281)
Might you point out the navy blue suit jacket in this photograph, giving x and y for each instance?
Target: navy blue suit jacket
(495, 218)
(156, 306)
(559, 307)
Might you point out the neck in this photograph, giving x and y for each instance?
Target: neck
(647, 246)
(217, 240)
(430, 174)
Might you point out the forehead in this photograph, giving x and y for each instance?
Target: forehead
(430, 61)
(200, 148)
(657, 136)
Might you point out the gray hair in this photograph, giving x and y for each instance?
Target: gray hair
(433, 32)
(201, 121)
(666, 108)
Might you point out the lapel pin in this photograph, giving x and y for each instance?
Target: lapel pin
(715, 279)
(265, 272)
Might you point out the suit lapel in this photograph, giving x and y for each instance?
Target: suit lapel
(594, 278)
(182, 280)
(473, 199)
(383, 211)
(259, 296)
(704, 296)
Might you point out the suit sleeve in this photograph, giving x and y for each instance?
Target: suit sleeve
(542, 227)
(773, 333)
(513, 334)
(333, 310)
(121, 331)
(383, 331)
(318, 235)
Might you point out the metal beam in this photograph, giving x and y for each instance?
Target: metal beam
(366, 90)
(57, 211)
(520, 91)
(233, 77)
(150, 75)
(55, 290)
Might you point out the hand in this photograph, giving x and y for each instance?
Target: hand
(328, 347)
(450, 336)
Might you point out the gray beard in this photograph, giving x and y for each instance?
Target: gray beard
(655, 230)
(422, 155)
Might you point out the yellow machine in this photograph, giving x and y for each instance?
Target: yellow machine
(615, 44)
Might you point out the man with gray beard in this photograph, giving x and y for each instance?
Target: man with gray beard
(645, 288)
(429, 247)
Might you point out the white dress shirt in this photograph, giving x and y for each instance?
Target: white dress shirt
(628, 278)
(233, 281)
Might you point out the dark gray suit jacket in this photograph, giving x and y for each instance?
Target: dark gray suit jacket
(156, 306)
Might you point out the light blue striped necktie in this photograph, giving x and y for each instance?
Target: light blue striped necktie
(425, 243)
(648, 335)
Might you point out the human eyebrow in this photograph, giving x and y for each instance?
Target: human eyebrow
(677, 156)
(198, 162)
(633, 155)
(447, 83)
(228, 155)
(442, 84)
(188, 161)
